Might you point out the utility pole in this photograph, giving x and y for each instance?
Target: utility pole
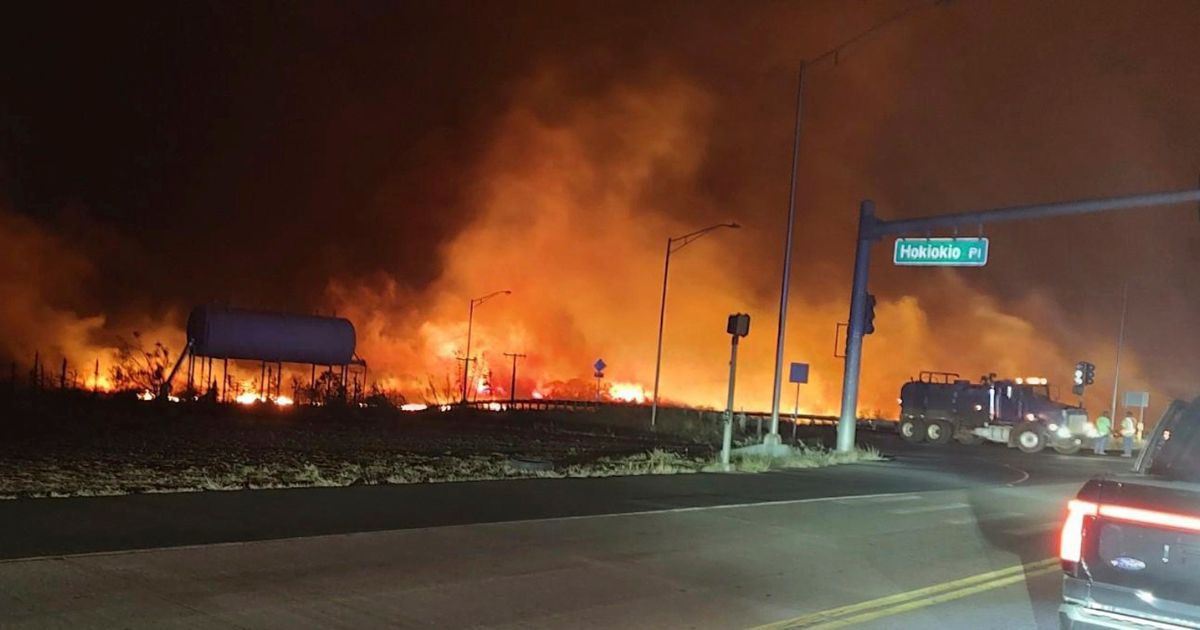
(1120, 343)
(871, 229)
(466, 375)
(512, 390)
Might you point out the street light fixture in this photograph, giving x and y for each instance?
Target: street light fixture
(470, 321)
(673, 245)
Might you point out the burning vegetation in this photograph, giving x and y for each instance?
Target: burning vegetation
(575, 228)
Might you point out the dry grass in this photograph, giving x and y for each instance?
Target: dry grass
(807, 457)
(47, 479)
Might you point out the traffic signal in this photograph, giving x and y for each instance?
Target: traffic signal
(1085, 374)
(869, 320)
(739, 325)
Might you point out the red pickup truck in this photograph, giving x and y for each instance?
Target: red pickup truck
(1130, 545)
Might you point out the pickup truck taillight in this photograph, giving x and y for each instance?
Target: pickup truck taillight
(1070, 548)
(1071, 545)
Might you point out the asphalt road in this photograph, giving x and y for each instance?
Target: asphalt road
(952, 536)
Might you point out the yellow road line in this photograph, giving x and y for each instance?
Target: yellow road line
(1016, 573)
(931, 601)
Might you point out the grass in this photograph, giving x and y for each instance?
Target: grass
(805, 457)
(115, 478)
(655, 462)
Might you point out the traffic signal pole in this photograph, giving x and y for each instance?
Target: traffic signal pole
(854, 335)
(871, 229)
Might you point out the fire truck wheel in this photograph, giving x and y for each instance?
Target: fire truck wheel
(912, 430)
(939, 432)
(1029, 438)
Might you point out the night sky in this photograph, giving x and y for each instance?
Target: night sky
(345, 157)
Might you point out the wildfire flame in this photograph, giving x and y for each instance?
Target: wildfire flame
(251, 398)
(248, 398)
(627, 392)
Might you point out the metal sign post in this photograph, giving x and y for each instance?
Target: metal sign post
(798, 374)
(599, 374)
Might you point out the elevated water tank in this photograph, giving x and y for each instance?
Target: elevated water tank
(231, 333)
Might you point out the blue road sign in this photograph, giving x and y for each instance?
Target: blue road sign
(798, 373)
(600, 365)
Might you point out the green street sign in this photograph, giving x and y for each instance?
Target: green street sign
(941, 252)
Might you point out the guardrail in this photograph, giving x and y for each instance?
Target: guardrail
(539, 405)
(591, 406)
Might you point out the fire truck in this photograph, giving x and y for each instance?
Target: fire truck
(937, 407)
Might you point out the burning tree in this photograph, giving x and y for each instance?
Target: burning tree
(384, 398)
(138, 368)
(444, 394)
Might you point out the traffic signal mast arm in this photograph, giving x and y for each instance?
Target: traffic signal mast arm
(871, 229)
(876, 228)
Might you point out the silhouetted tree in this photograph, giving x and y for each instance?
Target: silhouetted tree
(138, 368)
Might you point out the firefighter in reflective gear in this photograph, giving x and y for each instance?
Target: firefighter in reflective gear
(1103, 431)
(1128, 430)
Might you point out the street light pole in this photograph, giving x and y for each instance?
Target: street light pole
(833, 55)
(777, 384)
(470, 322)
(662, 314)
(673, 245)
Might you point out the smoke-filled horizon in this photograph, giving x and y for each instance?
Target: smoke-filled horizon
(390, 164)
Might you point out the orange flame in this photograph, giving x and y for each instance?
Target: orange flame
(627, 392)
